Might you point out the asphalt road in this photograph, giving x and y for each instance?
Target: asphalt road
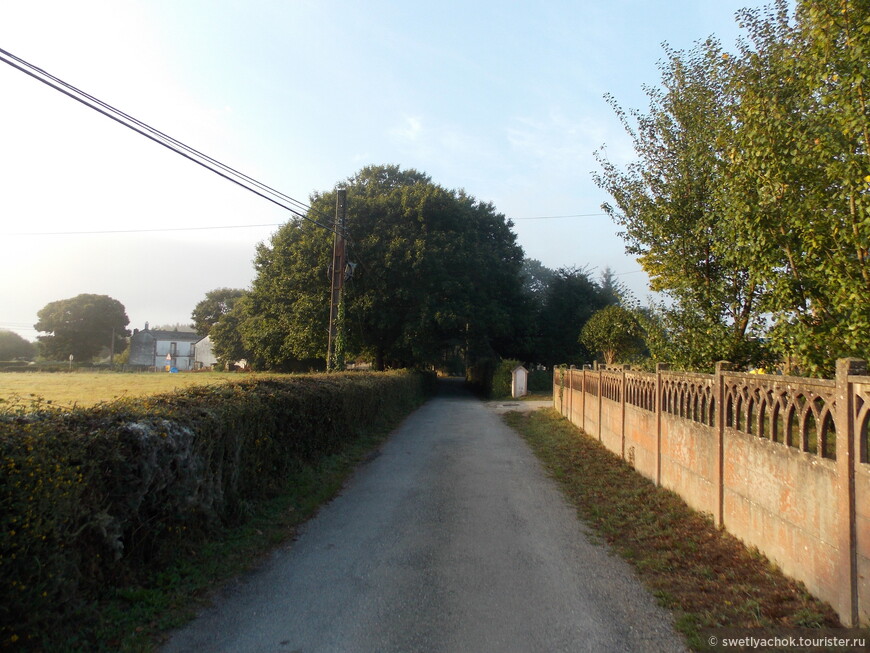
(450, 538)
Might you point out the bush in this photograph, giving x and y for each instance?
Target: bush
(541, 381)
(94, 498)
(501, 380)
(478, 376)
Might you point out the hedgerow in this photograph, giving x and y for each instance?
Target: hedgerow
(96, 498)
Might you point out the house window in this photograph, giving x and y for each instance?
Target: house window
(173, 349)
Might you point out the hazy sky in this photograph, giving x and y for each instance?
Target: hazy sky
(503, 99)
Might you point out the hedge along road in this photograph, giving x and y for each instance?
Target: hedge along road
(450, 538)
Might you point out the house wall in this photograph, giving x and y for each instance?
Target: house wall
(780, 462)
(149, 349)
(203, 355)
(182, 356)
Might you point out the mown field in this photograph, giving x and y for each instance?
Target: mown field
(90, 388)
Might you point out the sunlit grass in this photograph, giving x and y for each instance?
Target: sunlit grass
(88, 388)
(706, 577)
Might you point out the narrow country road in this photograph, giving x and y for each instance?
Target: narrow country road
(451, 538)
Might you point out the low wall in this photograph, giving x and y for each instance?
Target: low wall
(780, 462)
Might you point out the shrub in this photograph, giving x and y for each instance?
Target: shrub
(501, 380)
(541, 381)
(479, 376)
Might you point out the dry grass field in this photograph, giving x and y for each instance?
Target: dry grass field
(86, 389)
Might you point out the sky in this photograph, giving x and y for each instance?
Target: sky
(502, 99)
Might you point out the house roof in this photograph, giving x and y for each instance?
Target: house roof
(177, 336)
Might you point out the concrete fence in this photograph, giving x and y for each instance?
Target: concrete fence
(781, 462)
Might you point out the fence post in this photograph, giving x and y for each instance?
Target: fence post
(847, 564)
(598, 368)
(660, 367)
(719, 468)
(622, 410)
(572, 380)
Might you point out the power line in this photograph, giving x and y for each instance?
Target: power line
(233, 226)
(559, 217)
(248, 183)
(622, 274)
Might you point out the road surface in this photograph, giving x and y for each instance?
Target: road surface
(450, 538)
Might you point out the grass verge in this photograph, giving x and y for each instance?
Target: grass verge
(705, 576)
(139, 618)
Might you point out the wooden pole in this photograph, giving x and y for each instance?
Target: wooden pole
(336, 276)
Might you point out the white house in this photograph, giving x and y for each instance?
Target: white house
(203, 356)
(161, 349)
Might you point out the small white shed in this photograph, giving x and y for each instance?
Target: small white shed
(519, 382)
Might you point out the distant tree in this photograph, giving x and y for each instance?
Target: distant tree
(226, 338)
(177, 326)
(615, 332)
(613, 290)
(536, 277)
(81, 326)
(217, 303)
(13, 346)
(569, 301)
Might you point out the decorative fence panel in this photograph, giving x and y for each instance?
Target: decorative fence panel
(781, 462)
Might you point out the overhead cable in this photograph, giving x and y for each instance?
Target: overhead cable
(559, 217)
(299, 209)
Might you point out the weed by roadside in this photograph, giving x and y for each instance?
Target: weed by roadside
(705, 576)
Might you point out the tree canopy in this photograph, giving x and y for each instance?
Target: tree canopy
(749, 198)
(615, 332)
(569, 300)
(13, 346)
(437, 271)
(213, 307)
(81, 326)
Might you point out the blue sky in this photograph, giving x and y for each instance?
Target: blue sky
(503, 99)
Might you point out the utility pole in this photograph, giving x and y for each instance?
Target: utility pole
(336, 278)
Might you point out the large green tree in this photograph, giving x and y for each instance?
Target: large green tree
(797, 195)
(81, 326)
(666, 203)
(749, 199)
(570, 299)
(216, 304)
(436, 271)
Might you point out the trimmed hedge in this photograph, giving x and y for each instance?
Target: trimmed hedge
(94, 498)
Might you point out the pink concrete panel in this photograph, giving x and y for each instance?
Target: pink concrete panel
(640, 433)
(784, 502)
(688, 461)
(799, 488)
(611, 425)
(576, 405)
(862, 537)
(799, 554)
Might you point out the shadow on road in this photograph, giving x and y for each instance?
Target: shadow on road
(454, 387)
